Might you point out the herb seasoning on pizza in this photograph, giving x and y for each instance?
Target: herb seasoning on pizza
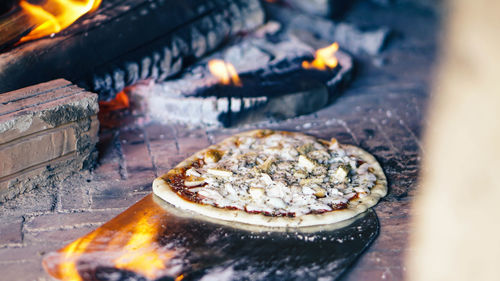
(276, 179)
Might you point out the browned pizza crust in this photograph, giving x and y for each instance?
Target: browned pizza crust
(356, 206)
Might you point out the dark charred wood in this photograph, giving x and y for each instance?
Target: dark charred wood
(126, 41)
(266, 82)
(7, 5)
(283, 73)
(275, 86)
(324, 8)
(14, 25)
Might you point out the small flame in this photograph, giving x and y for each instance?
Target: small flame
(55, 15)
(225, 71)
(67, 270)
(324, 58)
(121, 101)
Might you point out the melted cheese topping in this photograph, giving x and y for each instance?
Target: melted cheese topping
(280, 175)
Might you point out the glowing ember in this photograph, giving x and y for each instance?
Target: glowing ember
(121, 101)
(225, 71)
(54, 15)
(324, 58)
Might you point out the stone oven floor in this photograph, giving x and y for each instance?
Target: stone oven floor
(383, 111)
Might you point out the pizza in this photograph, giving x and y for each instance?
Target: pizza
(275, 179)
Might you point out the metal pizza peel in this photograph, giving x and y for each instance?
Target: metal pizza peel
(152, 240)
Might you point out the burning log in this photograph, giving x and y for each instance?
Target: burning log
(47, 132)
(263, 67)
(127, 41)
(28, 21)
(255, 81)
(14, 26)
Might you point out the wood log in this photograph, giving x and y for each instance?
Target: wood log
(14, 26)
(323, 8)
(275, 86)
(7, 5)
(265, 68)
(125, 41)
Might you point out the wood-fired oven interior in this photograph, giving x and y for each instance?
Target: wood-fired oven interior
(100, 97)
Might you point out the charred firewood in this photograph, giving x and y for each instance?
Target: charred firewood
(14, 25)
(264, 68)
(7, 5)
(125, 41)
(324, 8)
(274, 86)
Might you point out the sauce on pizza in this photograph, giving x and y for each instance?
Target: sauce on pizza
(275, 175)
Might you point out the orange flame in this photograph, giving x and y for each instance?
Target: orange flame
(66, 269)
(129, 241)
(139, 253)
(225, 71)
(55, 15)
(134, 247)
(324, 58)
(121, 101)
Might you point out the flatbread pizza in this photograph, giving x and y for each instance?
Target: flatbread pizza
(275, 179)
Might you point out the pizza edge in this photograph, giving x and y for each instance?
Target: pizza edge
(163, 190)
